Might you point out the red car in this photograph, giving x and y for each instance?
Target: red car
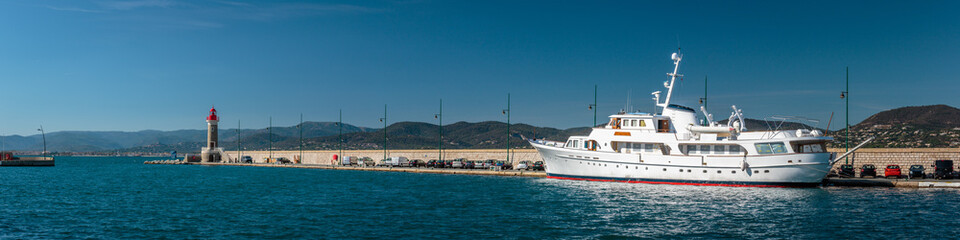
(892, 171)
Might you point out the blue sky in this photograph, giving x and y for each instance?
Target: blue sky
(160, 64)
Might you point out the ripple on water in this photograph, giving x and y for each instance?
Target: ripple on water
(123, 198)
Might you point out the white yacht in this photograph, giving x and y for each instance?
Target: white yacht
(674, 148)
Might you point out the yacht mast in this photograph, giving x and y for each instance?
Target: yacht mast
(673, 77)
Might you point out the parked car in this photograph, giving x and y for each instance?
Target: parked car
(523, 165)
(846, 171)
(480, 164)
(456, 164)
(504, 165)
(347, 161)
(892, 171)
(916, 171)
(489, 163)
(417, 163)
(468, 164)
(440, 164)
(432, 163)
(943, 169)
(537, 166)
(868, 170)
(367, 162)
(246, 159)
(283, 160)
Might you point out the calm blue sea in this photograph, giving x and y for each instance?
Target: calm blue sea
(121, 198)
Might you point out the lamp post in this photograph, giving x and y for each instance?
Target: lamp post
(384, 120)
(239, 149)
(270, 137)
(44, 135)
(507, 112)
(439, 117)
(340, 135)
(703, 100)
(594, 106)
(300, 128)
(845, 95)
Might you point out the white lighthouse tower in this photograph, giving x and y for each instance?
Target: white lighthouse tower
(211, 153)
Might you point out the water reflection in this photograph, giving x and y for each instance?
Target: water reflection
(658, 211)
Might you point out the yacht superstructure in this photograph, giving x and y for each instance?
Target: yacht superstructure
(673, 147)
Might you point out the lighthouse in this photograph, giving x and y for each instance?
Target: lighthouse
(210, 152)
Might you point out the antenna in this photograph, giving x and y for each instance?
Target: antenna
(678, 42)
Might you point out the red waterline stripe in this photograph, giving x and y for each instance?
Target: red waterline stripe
(670, 183)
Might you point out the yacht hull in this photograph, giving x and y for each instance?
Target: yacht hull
(782, 170)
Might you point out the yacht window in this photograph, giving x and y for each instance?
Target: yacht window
(643, 123)
(770, 148)
(648, 147)
(576, 143)
(811, 148)
(734, 149)
(633, 123)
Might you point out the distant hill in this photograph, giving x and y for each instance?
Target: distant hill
(918, 126)
(921, 126)
(925, 117)
(105, 141)
(418, 135)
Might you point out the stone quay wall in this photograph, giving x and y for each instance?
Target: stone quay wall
(326, 156)
(880, 157)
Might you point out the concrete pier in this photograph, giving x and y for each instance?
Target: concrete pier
(883, 182)
(516, 173)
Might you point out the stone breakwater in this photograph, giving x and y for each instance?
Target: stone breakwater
(517, 173)
(880, 157)
(326, 157)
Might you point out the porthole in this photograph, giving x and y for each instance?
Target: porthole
(766, 171)
(789, 161)
(646, 168)
(681, 170)
(718, 171)
(664, 169)
(799, 161)
(637, 167)
(688, 170)
(756, 171)
(704, 171)
(733, 171)
(604, 164)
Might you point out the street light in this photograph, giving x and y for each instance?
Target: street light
(239, 149)
(845, 95)
(439, 117)
(42, 133)
(300, 128)
(594, 106)
(507, 112)
(340, 136)
(384, 120)
(270, 137)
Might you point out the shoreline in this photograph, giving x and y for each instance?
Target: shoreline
(827, 182)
